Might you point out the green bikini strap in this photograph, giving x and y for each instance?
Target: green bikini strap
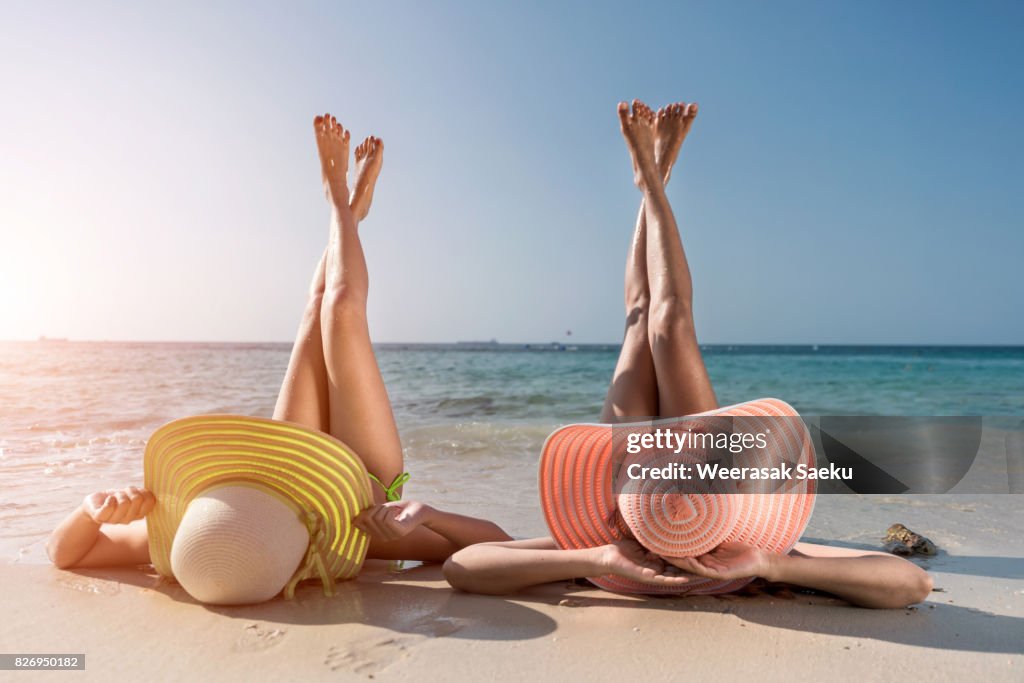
(391, 492)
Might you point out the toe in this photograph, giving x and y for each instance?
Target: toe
(623, 112)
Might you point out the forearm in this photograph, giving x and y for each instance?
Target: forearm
(496, 569)
(870, 581)
(463, 531)
(73, 539)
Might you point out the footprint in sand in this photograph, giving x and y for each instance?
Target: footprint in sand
(372, 655)
(369, 656)
(256, 638)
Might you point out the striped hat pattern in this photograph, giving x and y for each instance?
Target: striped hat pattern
(588, 500)
(314, 472)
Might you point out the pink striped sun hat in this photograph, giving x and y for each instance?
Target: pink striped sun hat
(591, 496)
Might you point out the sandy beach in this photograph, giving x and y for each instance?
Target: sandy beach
(406, 624)
(186, 231)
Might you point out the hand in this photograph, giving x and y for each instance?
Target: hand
(730, 560)
(119, 507)
(630, 560)
(392, 521)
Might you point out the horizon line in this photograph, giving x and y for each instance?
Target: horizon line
(67, 340)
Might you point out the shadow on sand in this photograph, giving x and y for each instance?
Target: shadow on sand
(379, 597)
(992, 566)
(390, 599)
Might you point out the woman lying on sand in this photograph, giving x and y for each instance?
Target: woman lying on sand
(332, 385)
(660, 372)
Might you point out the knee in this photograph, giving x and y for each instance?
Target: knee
(639, 301)
(670, 317)
(344, 302)
(637, 314)
(311, 314)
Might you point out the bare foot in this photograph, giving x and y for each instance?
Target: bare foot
(332, 144)
(638, 129)
(671, 126)
(369, 158)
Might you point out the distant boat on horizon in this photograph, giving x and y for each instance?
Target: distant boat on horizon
(492, 342)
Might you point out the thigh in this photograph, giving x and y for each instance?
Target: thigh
(359, 408)
(303, 395)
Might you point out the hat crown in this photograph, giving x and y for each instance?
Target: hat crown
(237, 544)
(680, 508)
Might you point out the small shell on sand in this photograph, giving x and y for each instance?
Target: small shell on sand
(899, 540)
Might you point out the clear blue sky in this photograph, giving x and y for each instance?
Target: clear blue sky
(854, 175)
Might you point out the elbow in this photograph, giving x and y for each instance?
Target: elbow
(60, 560)
(461, 576)
(914, 589)
(456, 574)
(921, 587)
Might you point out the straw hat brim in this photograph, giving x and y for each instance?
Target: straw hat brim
(316, 472)
(577, 483)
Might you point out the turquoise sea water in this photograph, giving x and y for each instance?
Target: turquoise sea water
(513, 382)
(75, 416)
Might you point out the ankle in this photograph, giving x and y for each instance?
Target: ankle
(341, 210)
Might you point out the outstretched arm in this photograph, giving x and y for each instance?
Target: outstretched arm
(108, 529)
(865, 578)
(861, 577)
(410, 530)
(501, 568)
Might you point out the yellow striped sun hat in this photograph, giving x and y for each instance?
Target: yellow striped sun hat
(247, 507)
